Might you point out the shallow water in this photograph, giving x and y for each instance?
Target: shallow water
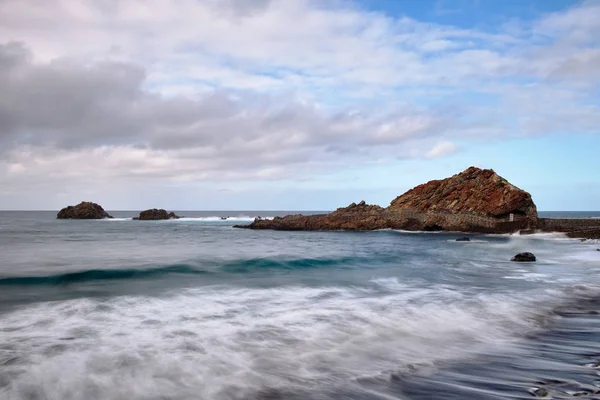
(194, 309)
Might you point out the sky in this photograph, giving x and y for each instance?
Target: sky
(294, 104)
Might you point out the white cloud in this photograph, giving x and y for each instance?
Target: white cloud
(442, 149)
(190, 90)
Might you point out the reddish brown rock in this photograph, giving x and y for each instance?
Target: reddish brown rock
(474, 200)
(83, 210)
(474, 191)
(359, 216)
(155, 214)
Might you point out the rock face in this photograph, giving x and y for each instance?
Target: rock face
(524, 257)
(478, 191)
(155, 214)
(475, 200)
(83, 210)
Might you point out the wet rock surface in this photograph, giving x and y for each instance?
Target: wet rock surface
(585, 234)
(562, 362)
(563, 389)
(523, 257)
(83, 210)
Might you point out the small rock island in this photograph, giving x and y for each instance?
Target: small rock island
(155, 214)
(83, 210)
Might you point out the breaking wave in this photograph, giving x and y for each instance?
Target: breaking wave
(98, 275)
(229, 343)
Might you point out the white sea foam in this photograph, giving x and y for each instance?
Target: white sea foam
(471, 240)
(531, 277)
(239, 218)
(536, 235)
(227, 343)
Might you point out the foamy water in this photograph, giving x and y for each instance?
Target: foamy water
(204, 311)
(220, 342)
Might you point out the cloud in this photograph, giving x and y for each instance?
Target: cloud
(442, 149)
(198, 91)
(80, 121)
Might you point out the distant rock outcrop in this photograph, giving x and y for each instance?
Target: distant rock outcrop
(155, 214)
(83, 210)
(475, 200)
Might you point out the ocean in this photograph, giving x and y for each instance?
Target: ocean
(195, 309)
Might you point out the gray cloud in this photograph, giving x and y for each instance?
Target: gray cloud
(72, 105)
(259, 90)
(66, 103)
(64, 113)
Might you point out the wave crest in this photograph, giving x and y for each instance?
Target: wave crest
(98, 275)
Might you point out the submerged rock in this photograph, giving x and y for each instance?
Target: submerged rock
(83, 210)
(538, 392)
(155, 214)
(463, 239)
(523, 257)
(561, 389)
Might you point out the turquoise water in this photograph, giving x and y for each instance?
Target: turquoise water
(195, 309)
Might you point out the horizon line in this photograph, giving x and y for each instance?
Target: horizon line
(263, 210)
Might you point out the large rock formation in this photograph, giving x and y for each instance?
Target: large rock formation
(475, 200)
(475, 191)
(154, 214)
(83, 210)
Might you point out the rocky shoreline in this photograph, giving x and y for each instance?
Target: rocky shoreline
(475, 200)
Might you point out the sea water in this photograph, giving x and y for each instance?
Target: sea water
(196, 309)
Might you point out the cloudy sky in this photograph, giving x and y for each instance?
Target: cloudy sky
(294, 104)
